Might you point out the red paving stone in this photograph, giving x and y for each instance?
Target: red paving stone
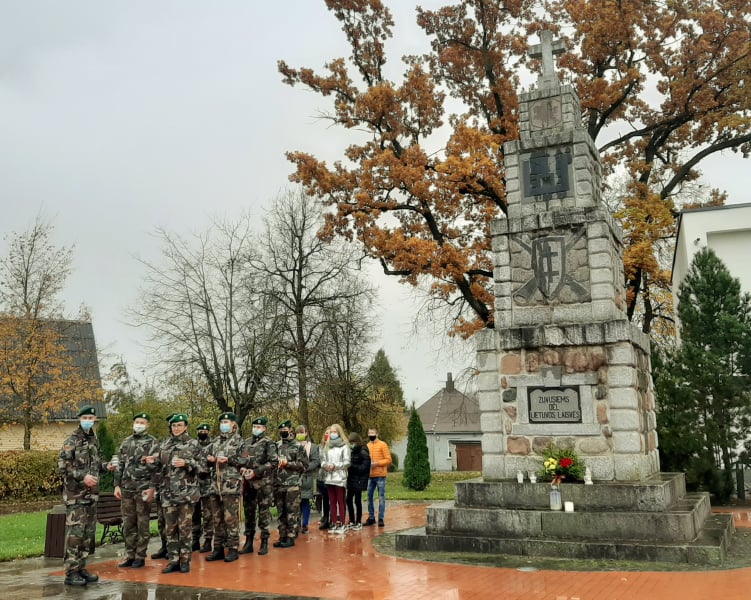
(348, 567)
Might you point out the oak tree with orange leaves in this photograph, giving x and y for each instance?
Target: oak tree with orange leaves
(39, 376)
(663, 85)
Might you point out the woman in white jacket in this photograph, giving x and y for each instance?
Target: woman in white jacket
(335, 462)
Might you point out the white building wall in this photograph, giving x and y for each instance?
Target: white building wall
(724, 229)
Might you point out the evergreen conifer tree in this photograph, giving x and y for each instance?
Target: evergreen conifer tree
(704, 387)
(416, 463)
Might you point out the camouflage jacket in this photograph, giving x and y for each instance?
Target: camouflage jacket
(297, 462)
(204, 477)
(226, 479)
(80, 456)
(133, 474)
(263, 459)
(178, 485)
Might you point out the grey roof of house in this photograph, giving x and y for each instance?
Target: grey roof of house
(78, 337)
(450, 411)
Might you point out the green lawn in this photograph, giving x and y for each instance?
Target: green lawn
(441, 486)
(23, 533)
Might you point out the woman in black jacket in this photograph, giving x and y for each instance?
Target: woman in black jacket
(357, 480)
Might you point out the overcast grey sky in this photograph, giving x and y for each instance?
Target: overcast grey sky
(120, 117)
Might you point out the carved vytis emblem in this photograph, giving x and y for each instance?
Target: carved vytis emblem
(549, 264)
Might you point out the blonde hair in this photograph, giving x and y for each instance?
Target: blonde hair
(340, 430)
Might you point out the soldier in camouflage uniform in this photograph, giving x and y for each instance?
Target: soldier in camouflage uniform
(257, 486)
(203, 520)
(160, 520)
(80, 463)
(293, 461)
(177, 462)
(135, 490)
(226, 455)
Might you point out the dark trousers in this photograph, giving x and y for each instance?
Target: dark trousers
(354, 506)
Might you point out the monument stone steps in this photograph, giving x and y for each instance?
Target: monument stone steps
(709, 548)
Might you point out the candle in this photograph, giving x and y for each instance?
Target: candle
(568, 506)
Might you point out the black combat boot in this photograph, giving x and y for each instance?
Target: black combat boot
(264, 549)
(184, 567)
(287, 543)
(206, 546)
(89, 577)
(196, 544)
(231, 555)
(162, 553)
(74, 578)
(217, 554)
(173, 567)
(248, 545)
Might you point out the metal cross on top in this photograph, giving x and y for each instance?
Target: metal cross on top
(546, 49)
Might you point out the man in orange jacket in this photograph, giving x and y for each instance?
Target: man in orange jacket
(380, 460)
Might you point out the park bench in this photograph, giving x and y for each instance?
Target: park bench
(109, 514)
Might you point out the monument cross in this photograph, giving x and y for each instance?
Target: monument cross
(545, 50)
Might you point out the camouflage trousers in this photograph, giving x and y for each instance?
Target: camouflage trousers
(136, 521)
(257, 508)
(160, 521)
(80, 529)
(287, 501)
(226, 510)
(179, 529)
(203, 520)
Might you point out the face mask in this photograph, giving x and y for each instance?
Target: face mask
(334, 436)
(225, 427)
(301, 437)
(372, 438)
(257, 431)
(351, 445)
(284, 434)
(139, 428)
(86, 425)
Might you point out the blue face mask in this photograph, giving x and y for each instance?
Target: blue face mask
(334, 436)
(86, 425)
(225, 427)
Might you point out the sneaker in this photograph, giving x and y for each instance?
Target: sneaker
(341, 529)
(357, 526)
(369, 522)
(380, 523)
(304, 529)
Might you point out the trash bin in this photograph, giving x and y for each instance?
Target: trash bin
(54, 538)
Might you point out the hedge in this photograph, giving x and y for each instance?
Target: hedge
(28, 475)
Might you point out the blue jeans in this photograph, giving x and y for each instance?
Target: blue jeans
(379, 482)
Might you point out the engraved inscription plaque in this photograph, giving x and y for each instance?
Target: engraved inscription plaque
(546, 172)
(555, 405)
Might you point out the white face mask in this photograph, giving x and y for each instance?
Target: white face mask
(139, 428)
(257, 431)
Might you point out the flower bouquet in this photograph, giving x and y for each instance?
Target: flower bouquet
(561, 463)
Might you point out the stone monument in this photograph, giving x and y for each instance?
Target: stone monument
(565, 366)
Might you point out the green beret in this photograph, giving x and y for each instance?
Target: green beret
(86, 409)
(142, 416)
(203, 427)
(228, 416)
(176, 418)
(261, 421)
(287, 424)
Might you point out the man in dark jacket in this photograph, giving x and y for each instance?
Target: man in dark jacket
(80, 464)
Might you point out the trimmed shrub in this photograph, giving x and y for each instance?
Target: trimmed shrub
(394, 466)
(29, 475)
(417, 462)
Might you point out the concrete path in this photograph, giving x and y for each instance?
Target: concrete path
(330, 566)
